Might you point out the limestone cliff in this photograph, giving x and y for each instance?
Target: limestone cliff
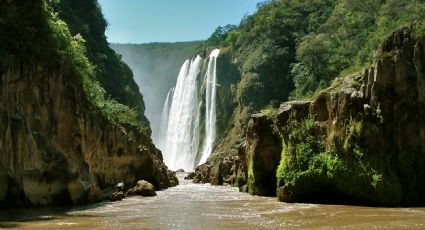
(56, 148)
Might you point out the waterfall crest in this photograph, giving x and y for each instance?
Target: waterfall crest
(210, 106)
(179, 133)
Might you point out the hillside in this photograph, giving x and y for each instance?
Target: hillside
(295, 50)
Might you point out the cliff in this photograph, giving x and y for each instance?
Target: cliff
(85, 17)
(362, 140)
(56, 146)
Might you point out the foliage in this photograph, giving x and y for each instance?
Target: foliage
(326, 37)
(420, 30)
(349, 37)
(314, 169)
(263, 47)
(305, 82)
(75, 53)
(85, 18)
(220, 35)
(48, 42)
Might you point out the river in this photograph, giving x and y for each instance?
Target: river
(202, 206)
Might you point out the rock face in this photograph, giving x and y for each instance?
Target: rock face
(217, 171)
(55, 149)
(363, 139)
(263, 150)
(142, 188)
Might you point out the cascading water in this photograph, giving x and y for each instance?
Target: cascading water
(210, 106)
(182, 137)
(179, 133)
(164, 120)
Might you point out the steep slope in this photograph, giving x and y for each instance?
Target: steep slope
(85, 18)
(56, 145)
(256, 63)
(363, 139)
(305, 46)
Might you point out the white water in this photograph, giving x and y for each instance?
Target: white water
(182, 137)
(210, 106)
(164, 120)
(179, 132)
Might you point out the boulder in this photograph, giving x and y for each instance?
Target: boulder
(117, 196)
(119, 187)
(142, 188)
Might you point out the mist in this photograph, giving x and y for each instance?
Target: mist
(155, 67)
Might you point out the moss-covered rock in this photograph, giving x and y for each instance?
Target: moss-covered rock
(363, 139)
(262, 155)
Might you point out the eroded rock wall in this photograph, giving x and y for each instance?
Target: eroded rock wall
(55, 150)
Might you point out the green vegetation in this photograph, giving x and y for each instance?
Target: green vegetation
(348, 39)
(295, 48)
(263, 47)
(221, 37)
(420, 30)
(121, 100)
(315, 168)
(53, 45)
(292, 49)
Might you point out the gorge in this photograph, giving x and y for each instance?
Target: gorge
(307, 114)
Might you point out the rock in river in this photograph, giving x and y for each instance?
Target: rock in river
(142, 188)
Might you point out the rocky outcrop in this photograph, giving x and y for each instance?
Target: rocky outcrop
(57, 151)
(363, 139)
(217, 171)
(360, 141)
(263, 150)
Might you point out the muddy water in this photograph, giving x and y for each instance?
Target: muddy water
(193, 206)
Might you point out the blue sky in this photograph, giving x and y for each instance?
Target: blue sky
(142, 21)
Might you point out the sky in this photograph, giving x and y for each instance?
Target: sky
(144, 21)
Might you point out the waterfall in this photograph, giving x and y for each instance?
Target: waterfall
(179, 131)
(162, 134)
(182, 139)
(210, 106)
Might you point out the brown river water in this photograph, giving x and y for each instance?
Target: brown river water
(196, 206)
